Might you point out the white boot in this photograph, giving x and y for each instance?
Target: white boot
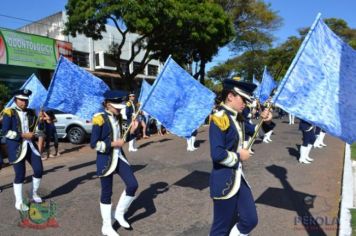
(307, 153)
(189, 145)
(303, 152)
(321, 139)
(35, 185)
(122, 206)
(192, 142)
(19, 205)
(317, 142)
(235, 232)
(106, 229)
(265, 139)
(269, 133)
(132, 146)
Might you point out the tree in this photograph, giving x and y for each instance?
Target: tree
(4, 93)
(340, 28)
(279, 58)
(183, 29)
(253, 20)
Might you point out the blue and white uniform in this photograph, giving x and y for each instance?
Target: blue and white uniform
(229, 189)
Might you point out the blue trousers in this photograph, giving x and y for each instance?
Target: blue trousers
(20, 167)
(239, 210)
(125, 172)
(308, 137)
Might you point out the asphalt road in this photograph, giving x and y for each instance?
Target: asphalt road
(173, 195)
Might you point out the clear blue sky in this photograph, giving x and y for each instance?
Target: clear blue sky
(295, 13)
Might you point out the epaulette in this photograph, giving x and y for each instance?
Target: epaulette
(221, 120)
(98, 119)
(8, 111)
(128, 104)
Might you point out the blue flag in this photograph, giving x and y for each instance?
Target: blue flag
(145, 90)
(178, 101)
(76, 91)
(266, 87)
(319, 86)
(38, 96)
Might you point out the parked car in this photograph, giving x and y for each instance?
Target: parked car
(76, 129)
(72, 127)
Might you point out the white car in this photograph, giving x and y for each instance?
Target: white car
(72, 127)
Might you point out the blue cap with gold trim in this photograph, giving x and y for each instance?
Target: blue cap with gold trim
(242, 88)
(116, 98)
(22, 94)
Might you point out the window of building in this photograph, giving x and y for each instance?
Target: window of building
(124, 65)
(81, 58)
(136, 66)
(152, 70)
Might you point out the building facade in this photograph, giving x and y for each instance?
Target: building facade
(83, 51)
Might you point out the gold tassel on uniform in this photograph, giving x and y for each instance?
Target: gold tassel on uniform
(98, 119)
(221, 120)
(7, 111)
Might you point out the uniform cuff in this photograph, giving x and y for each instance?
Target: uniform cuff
(230, 160)
(11, 134)
(100, 146)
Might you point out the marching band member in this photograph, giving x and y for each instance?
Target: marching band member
(19, 127)
(308, 141)
(231, 194)
(107, 140)
(130, 112)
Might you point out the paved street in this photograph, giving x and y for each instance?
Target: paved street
(173, 196)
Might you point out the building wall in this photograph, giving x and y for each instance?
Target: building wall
(53, 25)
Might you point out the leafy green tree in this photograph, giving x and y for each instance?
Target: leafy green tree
(4, 93)
(253, 20)
(184, 29)
(279, 58)
(340, 28)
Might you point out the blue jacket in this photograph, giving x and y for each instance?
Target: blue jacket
(12, 123)
(103, 132)
(224, 139)
(130, 110)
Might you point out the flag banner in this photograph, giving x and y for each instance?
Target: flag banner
(38, 96)
(74, 90)
(145, 90)
(266, 87)
(178, 101)
(319, 86)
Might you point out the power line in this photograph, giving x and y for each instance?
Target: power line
(56, 26)
(30, 21)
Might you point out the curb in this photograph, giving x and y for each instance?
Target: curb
(347, 195)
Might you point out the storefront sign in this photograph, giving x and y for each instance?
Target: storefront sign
(21, 49)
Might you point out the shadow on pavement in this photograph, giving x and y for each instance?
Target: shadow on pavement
(29, 178)
(198, 142)
(289, 199)
(158, 141)
(76, 148)
(197, 180)
(145, 201)
(294, 152)
(82, 165)
(71, 185)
